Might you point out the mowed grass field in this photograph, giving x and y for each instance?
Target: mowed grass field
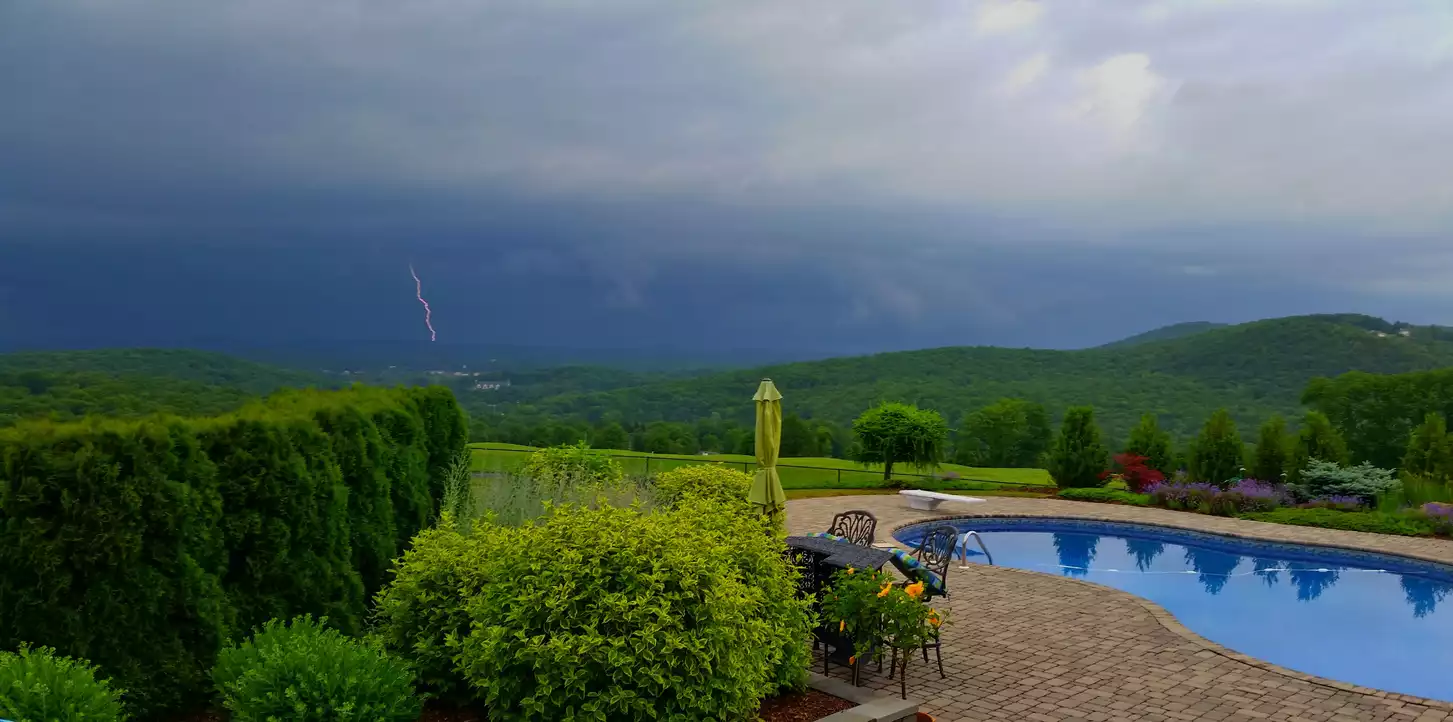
(796, 473)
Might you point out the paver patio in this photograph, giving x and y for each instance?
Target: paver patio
(1031, 646)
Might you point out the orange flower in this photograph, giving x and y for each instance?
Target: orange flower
(914, 590)
(852, 660)
(842, 624)
(886, 588)
(933, 617)
(851, 570)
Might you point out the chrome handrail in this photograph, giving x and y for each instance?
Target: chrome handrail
(964, 548)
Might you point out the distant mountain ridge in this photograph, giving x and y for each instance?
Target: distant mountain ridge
(1182, 373)
(1166, 333)
(1253, 369)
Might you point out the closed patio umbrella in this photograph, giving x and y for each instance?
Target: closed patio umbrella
(767, 495)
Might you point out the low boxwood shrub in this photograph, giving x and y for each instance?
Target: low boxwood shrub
(609, 613)
(38, 686)
(306, 672)
(712, 482)
(1108, 496)
(1369, 521)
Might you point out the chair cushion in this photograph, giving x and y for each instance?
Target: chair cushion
(915, 570)
(825, 535)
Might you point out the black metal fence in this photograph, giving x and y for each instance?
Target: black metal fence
(670, 461)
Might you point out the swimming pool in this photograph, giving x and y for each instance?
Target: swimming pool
(1369, 619)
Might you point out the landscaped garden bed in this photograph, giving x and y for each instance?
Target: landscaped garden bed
(1378, 508)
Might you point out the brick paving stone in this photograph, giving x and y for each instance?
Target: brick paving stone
(1024, 645)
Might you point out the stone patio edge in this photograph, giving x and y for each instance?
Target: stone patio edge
(872, 706)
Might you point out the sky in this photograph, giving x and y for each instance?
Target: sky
(814, 177)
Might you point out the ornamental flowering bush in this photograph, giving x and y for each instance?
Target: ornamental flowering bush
(1246, 495)
(1250, 495)
(1441, 515)
(1184, 495)
(1335, 502)
(873, 611)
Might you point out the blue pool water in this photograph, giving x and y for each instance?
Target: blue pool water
(1373, 620)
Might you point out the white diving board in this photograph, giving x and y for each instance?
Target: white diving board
(929, 500)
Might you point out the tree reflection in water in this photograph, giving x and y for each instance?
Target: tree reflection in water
(1144, 551)
(1268, 569)
(1423, 594)
(1075, 551)
(1214, 567)
(1310, 583)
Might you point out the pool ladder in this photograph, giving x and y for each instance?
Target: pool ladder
(963, 547)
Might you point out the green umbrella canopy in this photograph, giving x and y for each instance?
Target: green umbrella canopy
(767, 494)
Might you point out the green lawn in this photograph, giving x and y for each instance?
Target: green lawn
(825, 474)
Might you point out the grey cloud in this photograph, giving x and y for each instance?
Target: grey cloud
(907, 150)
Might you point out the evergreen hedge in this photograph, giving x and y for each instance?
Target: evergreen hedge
(142, 546)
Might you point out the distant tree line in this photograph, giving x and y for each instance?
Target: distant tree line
(1391, 421)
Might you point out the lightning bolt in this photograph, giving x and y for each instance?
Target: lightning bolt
(419, 293)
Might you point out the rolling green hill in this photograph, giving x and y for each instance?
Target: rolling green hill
(1253, 369)
(1166, 333)
(133, 382)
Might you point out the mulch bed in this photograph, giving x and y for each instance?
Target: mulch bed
(808, 706)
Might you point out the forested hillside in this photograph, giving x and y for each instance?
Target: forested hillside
(1166, 333)
(1253, 370)
(133, 382)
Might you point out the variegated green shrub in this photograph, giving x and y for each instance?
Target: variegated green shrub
(604, 614)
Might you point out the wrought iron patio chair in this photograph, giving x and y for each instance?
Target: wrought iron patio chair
(857, 526)
(934, 554)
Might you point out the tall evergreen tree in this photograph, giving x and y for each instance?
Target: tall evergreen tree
(1078, 456)
(1430, 450)
(1271, 450)
(1219, 453)
(1147, 439)
(1317, 439)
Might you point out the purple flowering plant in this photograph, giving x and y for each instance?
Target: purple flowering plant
(1242, 496)
(1335, 502)
(1441, 515)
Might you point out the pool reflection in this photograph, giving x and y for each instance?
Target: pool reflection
(1077, 552)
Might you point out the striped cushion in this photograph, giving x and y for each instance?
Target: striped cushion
(914, 569)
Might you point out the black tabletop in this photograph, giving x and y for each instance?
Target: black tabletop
(841, 554)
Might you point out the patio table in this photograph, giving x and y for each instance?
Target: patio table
(841, 554)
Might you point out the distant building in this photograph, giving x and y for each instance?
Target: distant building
(490, 385)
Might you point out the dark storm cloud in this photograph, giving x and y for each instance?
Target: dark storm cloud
(869, 175)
